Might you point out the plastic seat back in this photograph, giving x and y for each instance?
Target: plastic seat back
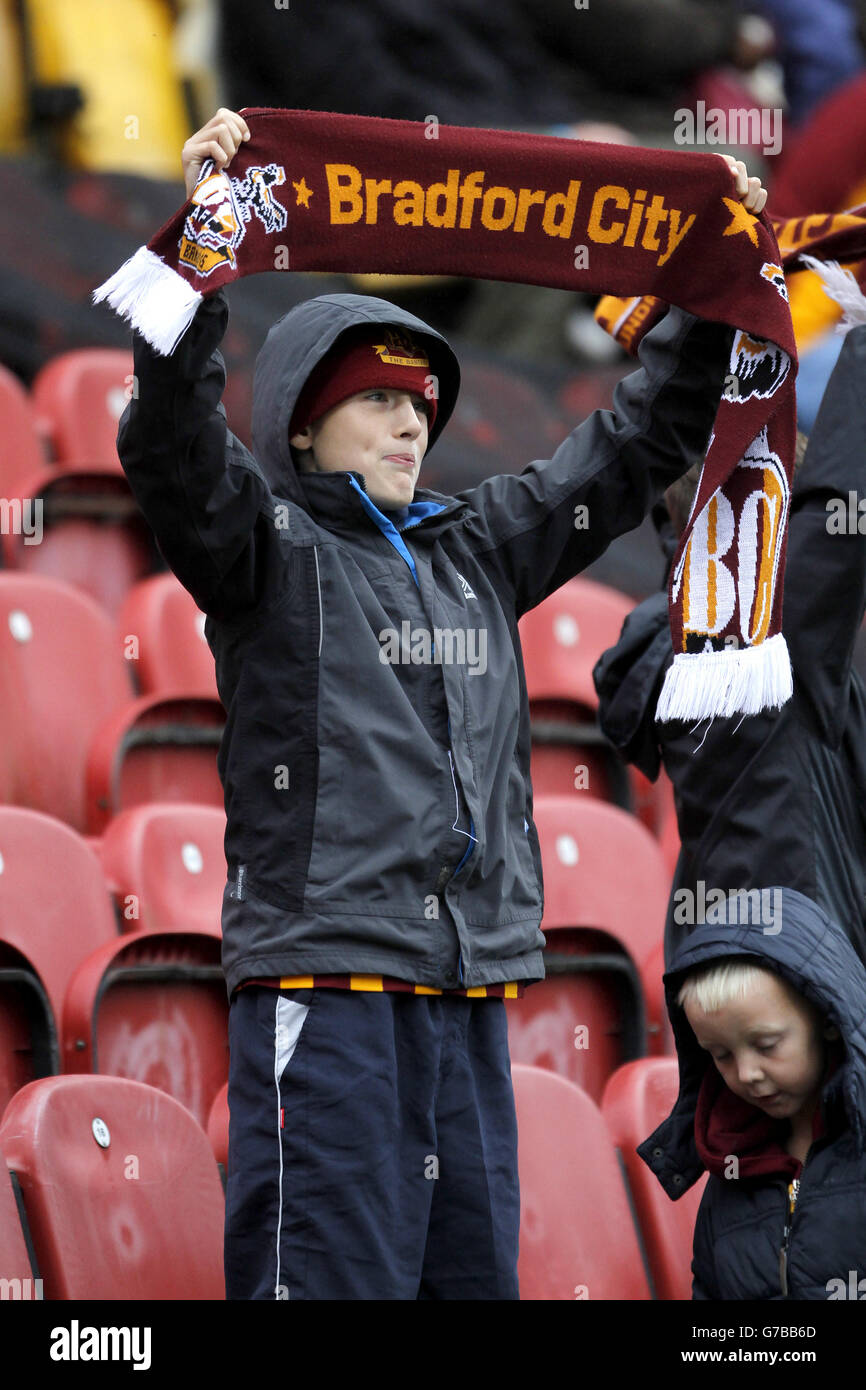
(54, 906)
(165, 865)
(91, 534)
(121, 1192)
(21, 451)
(155, 749)
(28, 1029)
(152, 1008)
(61, 675)
(82, 395)
(637, 1098)
(577, 1239)
(16, 1273)
(563, 637)
(172, 655)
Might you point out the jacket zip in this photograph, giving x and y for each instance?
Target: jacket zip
(319, 590)
(471, 831)
(469, 848)
(791, 1195)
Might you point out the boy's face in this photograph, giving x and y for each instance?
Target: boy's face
(380, 432)
(768, 1047)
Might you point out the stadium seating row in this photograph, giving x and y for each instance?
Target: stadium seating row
(109, 1189)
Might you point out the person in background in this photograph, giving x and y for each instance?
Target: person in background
(780, 797)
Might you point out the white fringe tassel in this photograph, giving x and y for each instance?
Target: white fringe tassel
(840, 285)
(157, 301)
(741, 681)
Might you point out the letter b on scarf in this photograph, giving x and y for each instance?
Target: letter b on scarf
(708, 597)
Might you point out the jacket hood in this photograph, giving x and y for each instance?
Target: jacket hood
(293, 347)
(793, 936)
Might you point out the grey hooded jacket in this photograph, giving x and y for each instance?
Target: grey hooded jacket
(375, 760)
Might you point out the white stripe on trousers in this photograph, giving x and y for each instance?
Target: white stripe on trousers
(288, 1021)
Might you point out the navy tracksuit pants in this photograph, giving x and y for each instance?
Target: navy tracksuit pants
(372, 1147)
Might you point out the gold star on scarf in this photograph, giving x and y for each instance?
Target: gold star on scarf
(305, 194)
(741, 221)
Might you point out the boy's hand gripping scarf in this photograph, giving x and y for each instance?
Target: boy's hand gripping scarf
(318, 191)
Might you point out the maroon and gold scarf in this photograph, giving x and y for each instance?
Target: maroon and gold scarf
(318, 191)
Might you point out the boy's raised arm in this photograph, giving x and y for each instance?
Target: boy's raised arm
(200, 490)
(539, 528)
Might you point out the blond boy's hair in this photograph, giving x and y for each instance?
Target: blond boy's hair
(722, 982)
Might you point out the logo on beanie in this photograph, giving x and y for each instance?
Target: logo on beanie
(221, 208)
(399, 350)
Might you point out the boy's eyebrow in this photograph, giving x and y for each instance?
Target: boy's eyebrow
(776, 1029)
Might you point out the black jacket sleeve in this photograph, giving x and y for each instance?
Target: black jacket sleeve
(825, 572)
(537, 529)
(202, 492)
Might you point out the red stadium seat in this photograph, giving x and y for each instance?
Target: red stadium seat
(61, 676)
(120, 1189)
(577, 1238)
(14, 1259)
(583, 1020)
(562, 639)
(662, 1045)
(154, 749)
(165, 866)
(605, 895)
(28, 1031)
(218, 1127)
(81, 395)
(637, 1098)
(565, 635)
(75, 743)
(54, 908)
(670, 842)
(653, 802)
(603, 870)
(172, 655)
(91, 533)
(569, 754)
(152, 1007)
(21, 451)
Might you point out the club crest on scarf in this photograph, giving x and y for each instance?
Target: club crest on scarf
(221, 208)
(758, 368)
(776, 276)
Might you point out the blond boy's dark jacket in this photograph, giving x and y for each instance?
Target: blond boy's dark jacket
(740, 1226)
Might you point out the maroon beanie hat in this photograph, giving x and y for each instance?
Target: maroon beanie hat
(380, 355)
